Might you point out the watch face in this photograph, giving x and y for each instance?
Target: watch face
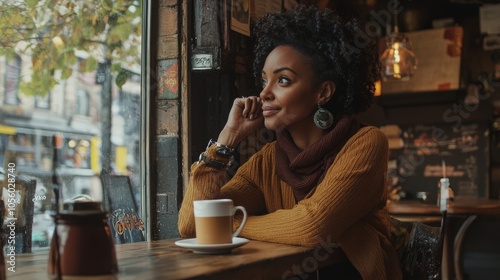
(224, 152)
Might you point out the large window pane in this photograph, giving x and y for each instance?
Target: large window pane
(72, 69)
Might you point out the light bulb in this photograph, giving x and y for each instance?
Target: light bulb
(398, 60)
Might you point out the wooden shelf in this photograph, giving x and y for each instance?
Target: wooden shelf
(411, 108)
(419, 98)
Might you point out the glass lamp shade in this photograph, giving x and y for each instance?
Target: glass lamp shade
(398, 60)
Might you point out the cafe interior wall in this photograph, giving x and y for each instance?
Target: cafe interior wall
(213, 90)
(430, 108)
(427, 108)
(185, 120)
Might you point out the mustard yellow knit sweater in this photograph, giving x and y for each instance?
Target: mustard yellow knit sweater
(347, 207)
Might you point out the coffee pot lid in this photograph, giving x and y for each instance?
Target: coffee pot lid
(77, 206)
(82, 206)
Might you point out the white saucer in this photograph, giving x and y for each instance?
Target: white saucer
(211, 248)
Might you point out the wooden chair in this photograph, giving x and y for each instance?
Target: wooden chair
(25, 191)
(419, 247)
(472, 243)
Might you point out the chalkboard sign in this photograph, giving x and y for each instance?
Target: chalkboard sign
(124, 219)
(421, 154)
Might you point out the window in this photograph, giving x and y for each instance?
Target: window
(78, 71)
(12, 75)
(43, 102)
(82, 106)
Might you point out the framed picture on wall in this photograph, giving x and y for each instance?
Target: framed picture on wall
(240, 16)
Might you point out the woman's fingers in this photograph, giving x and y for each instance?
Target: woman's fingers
(245, 116)
(252, 107)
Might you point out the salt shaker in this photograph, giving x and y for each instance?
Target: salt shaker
(443, 193)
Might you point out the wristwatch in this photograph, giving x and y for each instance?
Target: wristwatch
(222, 150)
(212, 163)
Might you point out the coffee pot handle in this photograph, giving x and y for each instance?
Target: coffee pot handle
(236, 208)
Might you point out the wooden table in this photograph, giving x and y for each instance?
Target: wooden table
(415, 211)
(164, 260)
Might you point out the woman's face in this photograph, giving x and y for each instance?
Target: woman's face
(289, 95)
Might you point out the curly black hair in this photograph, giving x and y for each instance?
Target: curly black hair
(339, 52)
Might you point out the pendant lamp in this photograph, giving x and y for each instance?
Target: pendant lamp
(398, 60)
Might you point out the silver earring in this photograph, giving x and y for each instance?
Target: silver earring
(323, 119)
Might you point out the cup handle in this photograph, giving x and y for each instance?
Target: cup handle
(236, 208)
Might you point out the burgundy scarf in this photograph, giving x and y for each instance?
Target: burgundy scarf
(304, 169)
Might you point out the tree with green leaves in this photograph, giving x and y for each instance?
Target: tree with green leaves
(53, 32)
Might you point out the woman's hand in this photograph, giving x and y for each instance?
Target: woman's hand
(244, 118)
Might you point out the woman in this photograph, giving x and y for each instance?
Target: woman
(323, 179)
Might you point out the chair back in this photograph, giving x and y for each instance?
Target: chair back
(420, 248)
(423, 252)
(23, 212)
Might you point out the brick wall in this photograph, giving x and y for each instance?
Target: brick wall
(165, 156)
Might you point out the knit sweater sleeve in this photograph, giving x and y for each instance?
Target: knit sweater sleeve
(353, 187)
(206, 182)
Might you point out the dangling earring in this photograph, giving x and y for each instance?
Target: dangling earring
(323, 119)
